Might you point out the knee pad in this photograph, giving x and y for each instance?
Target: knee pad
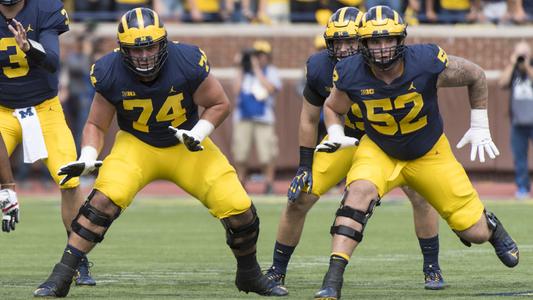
(94, 216)
(245, 236)
(359, 216)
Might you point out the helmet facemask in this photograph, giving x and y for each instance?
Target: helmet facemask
(335, 45)
(385, 57)
(145, 66)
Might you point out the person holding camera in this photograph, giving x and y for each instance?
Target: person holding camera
(517, 77)
(256, 85)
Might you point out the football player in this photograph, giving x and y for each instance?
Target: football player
(30, 112)
(396, 88)
(155, 88)
(319, 172)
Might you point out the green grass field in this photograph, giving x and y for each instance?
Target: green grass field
(173, 249)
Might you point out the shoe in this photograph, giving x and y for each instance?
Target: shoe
(83, 276)
(327, 293)
(433, 279)
(254, 281)
(275, 277)
(58, 283)
(505, 247)
(521, 194)
(331, 285)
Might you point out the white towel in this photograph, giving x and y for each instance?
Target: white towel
(32, 134)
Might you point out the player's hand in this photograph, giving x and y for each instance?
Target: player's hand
(333, 144)
(303, 179)
(77, 169)
(187, 138)
(20, 35)
(10, 209)
(479, 136)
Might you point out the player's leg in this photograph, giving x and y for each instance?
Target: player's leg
(328, 169)
(88, 228)
(61, 151)
(208, 176)
(242, 143)
(125, 171)
(367, 179)
(426, 221)
(454, 197)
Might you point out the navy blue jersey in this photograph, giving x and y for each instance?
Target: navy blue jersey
(22, 82)
(146, 110)
(319, 77)
(402, 118)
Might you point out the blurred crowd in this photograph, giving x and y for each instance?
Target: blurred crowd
(308, 11)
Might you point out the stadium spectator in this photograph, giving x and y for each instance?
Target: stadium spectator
(522, 11)
(154, 88)
(93, 10)
(451, 11)
(276, 11)
(78, 100)
(203, 11)
(518, 77)
(304, 10)
(122, 6)
(495, 11)
(169, 10)
(256, 85)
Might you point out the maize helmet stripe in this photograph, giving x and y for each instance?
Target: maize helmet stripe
(140, 19)
(379, 15)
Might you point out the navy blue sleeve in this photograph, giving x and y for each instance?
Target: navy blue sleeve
(341, 76)
(310, 93)
(99, 75)
(53, 17)
(195, 66)
(435, 57)
(50, 61)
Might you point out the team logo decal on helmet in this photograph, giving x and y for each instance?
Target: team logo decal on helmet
(141, 28)
(382, 22)
(342, 25)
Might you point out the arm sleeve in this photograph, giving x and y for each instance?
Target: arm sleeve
(312, 96)
(49, 60)
(197, 67)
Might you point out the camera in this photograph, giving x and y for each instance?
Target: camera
(521, 59)
(246, 61)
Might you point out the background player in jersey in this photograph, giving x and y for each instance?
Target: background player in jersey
(30, 112)
(316, 175)
(154, 86)
(396, 88)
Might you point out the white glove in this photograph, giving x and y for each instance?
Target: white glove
(479, 136)
(83, 166)
(10, 209)
(192, 138)
(336, 140)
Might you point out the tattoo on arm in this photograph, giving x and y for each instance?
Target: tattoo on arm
(462, 72)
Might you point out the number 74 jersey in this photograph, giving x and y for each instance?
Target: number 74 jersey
(22, 83)
(147, 109)
(403, 117)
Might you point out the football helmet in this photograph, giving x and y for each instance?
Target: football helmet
(141, 29)
(382, 22)
(9, 2)
(342, 25)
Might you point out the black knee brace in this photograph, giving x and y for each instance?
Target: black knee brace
(243, 237)
(94, 216)
(356, 215)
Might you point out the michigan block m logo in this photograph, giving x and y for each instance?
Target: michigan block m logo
(27, 113)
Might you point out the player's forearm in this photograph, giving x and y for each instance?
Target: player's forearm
(47, 57)
(309, 119)
(93, 136)
(331, 117)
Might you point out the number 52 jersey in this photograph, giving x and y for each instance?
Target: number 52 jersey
(402, 117)
(147, 109)
(22, 83)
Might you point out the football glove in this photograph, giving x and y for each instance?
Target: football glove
(192, 138)
(10, 209)
(336, 140)
(479, 136)
(83, 166)
(302, 180)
